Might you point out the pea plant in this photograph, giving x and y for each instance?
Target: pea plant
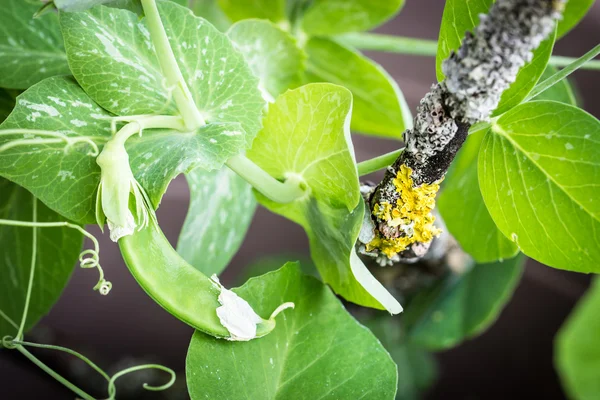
(105, 102)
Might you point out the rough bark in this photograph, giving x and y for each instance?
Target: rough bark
(477, 74)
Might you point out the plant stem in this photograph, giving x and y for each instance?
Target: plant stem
(380, 162)
(65, 350)
(421, 47)
(563, 73)
(390, 43)
(53, 374)
(155, 122)
(183, 97)
(21, 330)
(280, 192)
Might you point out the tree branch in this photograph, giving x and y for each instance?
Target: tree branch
(476, 76)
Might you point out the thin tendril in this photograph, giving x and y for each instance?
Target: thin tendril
(112, 390)
(31, 272)
(62, 349)
(53, 373)
(14, 344)
(89, 258)
(58, 138)
(279, 309)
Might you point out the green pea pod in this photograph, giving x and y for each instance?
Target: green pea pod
(183, 290)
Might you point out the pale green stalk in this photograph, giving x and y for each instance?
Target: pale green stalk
(280, 192)
(182, 95)
(53, 374)
(21, 330)
(562, 74)
(406, 45)
(380, 162)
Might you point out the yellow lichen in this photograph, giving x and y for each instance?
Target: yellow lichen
(412, 213)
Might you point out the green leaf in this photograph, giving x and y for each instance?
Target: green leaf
(561, 91)
(527, 78)
(271, 53)
(379, 106)
(577, 348)
(66, 178)
(57, 253)
(221, 208)
(307, 355)
(271, 263)
(332, 17)
(462, 306)
(574, 12)
(30, 49)
(210, 10)
(236, 10)
(306, 136)
(539, 169)
(459, 17)
(465, 213)
(417, 369)
(112, 45)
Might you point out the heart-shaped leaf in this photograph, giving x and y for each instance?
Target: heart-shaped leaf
(306, 356)
(66, 177)
(306, 136)
(539, 169)
(111, 45)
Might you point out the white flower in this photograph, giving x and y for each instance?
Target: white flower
(119, 193)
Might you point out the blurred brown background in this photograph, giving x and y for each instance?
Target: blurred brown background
(512, 360)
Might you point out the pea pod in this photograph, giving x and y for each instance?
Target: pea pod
(183, 290)
(178, 287)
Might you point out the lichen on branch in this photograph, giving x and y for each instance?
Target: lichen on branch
(401, 207)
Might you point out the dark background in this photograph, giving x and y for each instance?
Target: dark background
(511, 360)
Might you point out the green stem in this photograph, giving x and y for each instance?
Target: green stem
(168, 63)
(563, 73)
(21, 330)
(280, 192)
(112, 391)
(421, 47)
(64, 350)
(154, 122)
(87, 259)
(390, 43)
(53, 374)
(377, 163)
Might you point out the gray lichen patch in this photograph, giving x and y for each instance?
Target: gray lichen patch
(489, 59)
(477, 74)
